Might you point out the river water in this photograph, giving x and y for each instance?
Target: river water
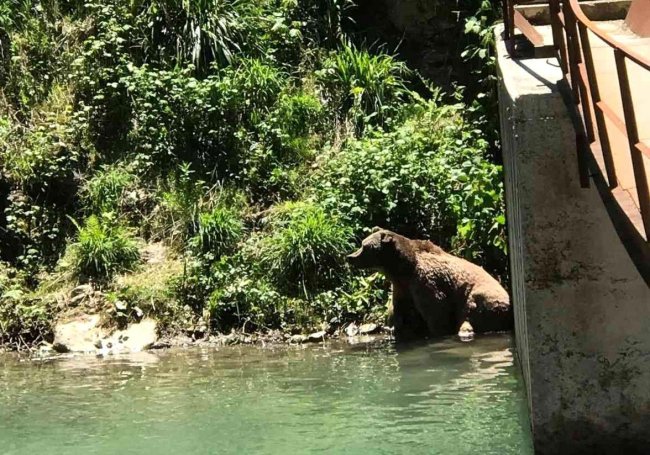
(443, 397)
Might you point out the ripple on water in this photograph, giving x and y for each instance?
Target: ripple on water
(440, 397)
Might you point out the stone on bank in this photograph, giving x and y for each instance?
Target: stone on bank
(84, 333)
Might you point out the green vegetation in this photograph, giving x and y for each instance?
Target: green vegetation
(222, 157)
(103, 248)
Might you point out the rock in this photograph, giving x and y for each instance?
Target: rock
(137, 337)
(138, 312)
(80, 293)
(317, 336)
(83, 334)
(230, 339)
(275, 336)
(181, 340)
(60, 348)
(80, 334)
(161, 345)
(154, 253)
(44, 349)
(352, 330)
(367, 329)
(298, 339)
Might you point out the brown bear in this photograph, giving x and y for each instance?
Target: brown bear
(434, 292)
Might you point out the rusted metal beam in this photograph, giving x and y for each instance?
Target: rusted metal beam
(528, 30)
(643, 149)
(612, 117)
(595, 96)
(596, 117)
(583, 82)
(505, 4)
(636, 57)
(638, 165)
(511, 20)
(557, 25)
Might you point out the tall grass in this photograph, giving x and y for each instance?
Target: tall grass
(103, 248)
(106, 190)
(305, 251)
(201, 31)
(370, 82)
(219, 230)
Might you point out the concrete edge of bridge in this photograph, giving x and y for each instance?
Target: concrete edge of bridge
(581, 306)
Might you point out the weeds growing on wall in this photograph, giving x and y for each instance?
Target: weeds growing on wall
(211, 162)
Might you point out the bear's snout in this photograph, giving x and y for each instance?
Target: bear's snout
(353, 258)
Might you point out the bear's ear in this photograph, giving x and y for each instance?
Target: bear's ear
(387, 237)
(375, 229)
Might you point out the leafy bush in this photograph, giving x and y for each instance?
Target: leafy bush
(23, 319)
(298, 116)
(430, 177)
(306, 248)
(241, 299)
(43, 152)
(259, 83)
(480, 58)
(35, 231)
(244, 298)
(38, 161)
(103, 248)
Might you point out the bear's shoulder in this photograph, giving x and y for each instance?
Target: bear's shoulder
(413, 250)
(426, 246)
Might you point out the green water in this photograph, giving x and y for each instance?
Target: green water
(444, 397)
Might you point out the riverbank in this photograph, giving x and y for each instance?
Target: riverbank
(85, 334)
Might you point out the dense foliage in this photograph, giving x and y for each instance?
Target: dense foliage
(211, 162)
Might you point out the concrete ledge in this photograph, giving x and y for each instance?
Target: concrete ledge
(582, 310)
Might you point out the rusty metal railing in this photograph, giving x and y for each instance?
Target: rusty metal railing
(573, 33)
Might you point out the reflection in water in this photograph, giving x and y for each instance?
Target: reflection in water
(444, 397)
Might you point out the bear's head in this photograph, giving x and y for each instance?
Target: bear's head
(376, 252)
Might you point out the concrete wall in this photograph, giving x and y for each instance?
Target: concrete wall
(582, 310)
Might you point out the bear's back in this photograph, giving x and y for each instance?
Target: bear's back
(455, 274)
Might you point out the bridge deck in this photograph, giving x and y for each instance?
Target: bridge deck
(609, 87)
(624, 189)
(608, 84)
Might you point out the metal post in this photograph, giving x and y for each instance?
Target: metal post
(595, 97)
(633, 138)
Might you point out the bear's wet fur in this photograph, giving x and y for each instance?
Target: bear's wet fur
(434, 292)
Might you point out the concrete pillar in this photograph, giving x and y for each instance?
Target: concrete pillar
(582, 310)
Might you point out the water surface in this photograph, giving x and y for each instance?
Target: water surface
(443, 397)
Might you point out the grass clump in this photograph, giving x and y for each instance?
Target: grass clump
(107, 190)
(218, 231)
(149, 292)
(370, 85)
(103, 248)
(306, 249)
